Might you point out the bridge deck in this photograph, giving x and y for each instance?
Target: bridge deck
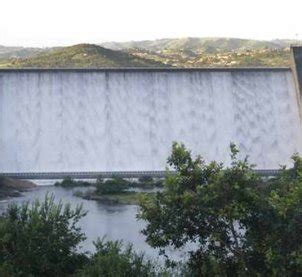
(107, 174)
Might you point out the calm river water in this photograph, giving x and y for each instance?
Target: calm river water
(113, 221)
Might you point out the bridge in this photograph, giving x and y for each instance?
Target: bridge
(108, 174)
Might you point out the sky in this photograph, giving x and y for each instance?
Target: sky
(43, 23)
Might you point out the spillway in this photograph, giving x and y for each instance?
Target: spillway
(126, 120)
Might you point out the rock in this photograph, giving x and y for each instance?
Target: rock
(17, 184)
(13, 187)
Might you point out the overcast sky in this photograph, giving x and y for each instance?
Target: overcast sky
(65, 22)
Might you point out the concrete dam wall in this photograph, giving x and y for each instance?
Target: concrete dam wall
(120, 120)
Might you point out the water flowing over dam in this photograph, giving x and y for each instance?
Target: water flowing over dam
(120, 120)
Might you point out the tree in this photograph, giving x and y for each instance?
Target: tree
(41, 239)
(240, 223)
(112, 259)
(111, 186)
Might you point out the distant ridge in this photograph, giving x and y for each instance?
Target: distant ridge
(7, 52)
(180, 52)
(201, 45)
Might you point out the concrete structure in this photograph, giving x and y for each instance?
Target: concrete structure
(296, 61)
(78, 121)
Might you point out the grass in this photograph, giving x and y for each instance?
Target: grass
(124, 198)
(5, 63)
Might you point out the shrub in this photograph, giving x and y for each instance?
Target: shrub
(113, 260)
(148, 182)
(69, 182)
(111, 186)
(145, 179)
(241, 224)
(40, 239)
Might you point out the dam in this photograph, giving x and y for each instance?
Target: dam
(82, 120)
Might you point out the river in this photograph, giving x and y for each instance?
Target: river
(116, 222)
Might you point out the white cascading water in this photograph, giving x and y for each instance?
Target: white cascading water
(112, 121)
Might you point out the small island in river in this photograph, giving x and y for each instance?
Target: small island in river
(115, 190)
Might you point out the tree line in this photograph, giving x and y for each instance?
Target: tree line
(239, 223)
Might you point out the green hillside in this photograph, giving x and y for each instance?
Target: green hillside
(80, 56)
(183, 52)
(244, 58)
(210, 52)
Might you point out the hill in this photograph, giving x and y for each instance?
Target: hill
(210, 52)
(81, 56)
(19, 52)
(200, 45)
(244, 58)
(183, 52)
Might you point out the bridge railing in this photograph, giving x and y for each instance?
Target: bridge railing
(109, 174)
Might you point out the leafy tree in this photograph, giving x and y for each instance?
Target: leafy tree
(145, 179)
(40, 239)
(278, 236)
(111, 186)
(240, 223)
(112, 259)
(68, 182)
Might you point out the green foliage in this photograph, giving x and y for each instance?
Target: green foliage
(148, 182)
(40, 239)
(112, 259)
(279, 238)
(241, 224)
(116, 190)
(145, 179)
(111, 186)
(69, 182)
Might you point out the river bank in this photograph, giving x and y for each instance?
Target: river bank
(13, 187)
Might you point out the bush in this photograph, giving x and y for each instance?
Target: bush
(145, 179)
(159, 183)
(148, 182)
(40, 239)
(241, 224)
(69, 182)
(111, 186)
(112, 260)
